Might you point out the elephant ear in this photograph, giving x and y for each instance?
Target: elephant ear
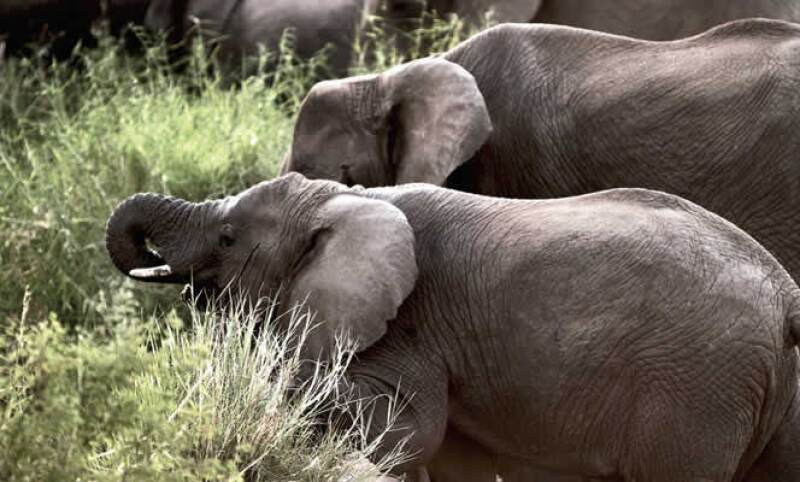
(437, 119)
(357, 274)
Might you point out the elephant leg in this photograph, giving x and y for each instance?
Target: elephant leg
(463, 460)
(780, 460)
(459, 459)
(523, 473)
(517, 470)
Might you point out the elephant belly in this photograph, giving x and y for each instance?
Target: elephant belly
(519, 423)
(585, 409)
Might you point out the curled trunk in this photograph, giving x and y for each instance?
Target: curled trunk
(163, 222)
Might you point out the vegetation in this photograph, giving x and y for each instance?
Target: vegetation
(151, 400)
(105, 379)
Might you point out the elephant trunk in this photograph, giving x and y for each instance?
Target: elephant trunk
(166, 223)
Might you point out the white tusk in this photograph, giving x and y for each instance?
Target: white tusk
(154, 272)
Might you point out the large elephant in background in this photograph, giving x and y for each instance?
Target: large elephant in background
(242, 26)
(644, 19)
(549, 111)
(626, 335)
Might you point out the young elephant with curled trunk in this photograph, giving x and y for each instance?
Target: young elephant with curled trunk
(545, 111)
(626, 334)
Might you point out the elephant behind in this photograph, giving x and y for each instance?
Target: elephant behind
(713, 118)
(627, 334)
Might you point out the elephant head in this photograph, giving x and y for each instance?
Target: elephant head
(414, 123)
(348, 257)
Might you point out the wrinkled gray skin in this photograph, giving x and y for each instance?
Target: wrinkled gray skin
(547, 111)
(243, 25)
(626, 334)
(659, 19)
(644, 19)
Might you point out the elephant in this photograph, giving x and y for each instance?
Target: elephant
(643, 19)
(242, 26)
(627, 334)
(713, 118)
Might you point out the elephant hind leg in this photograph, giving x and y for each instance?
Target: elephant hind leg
(780, 460)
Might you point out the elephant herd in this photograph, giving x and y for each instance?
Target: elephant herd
(240, 27)
(570, 253)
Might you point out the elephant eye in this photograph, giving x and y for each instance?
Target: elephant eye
(226, 236)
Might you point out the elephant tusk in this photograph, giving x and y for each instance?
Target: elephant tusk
(154, 272)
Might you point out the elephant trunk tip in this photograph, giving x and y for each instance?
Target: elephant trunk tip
(128, 228)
